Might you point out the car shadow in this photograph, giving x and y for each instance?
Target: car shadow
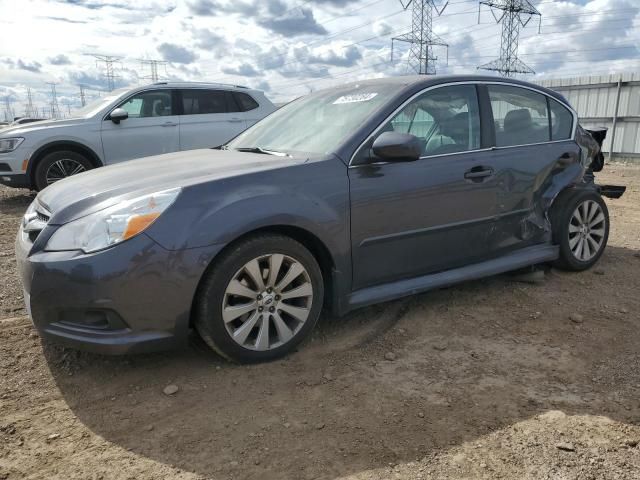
(386, 384)
(15, 204)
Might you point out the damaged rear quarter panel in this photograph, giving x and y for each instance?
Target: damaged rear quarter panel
(530, 178)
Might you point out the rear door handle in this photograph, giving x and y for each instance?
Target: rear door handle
(235, 120)
(478, 173)
(169, 124)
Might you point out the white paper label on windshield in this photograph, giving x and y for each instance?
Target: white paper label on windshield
(360, 97)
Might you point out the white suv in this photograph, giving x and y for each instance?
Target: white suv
(129, 123)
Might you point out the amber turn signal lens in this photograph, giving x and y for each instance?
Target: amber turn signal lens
(25, 164)
(138, 223)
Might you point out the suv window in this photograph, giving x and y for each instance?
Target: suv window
(446, 119)
(153, 103)
(520, 116)
(561, 121)
(197, 101)
(245, 101)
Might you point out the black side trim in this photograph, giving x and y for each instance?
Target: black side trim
(611, 191)
(487, 127)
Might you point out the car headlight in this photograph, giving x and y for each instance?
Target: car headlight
(10, 144)
(112, 225)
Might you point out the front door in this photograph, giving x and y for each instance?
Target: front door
(433, 214)
(151, 129)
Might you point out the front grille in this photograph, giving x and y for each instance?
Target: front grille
(35, 222)
(43, 217)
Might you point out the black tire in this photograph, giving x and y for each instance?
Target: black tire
(210, 297)
(562, 211)
(70, 160)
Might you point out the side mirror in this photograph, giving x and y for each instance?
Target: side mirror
(397, 147)
(118, 114)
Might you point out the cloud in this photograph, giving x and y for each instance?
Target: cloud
(207, 39)
(336, 56)
(67, 20)
(19, 64)
(175, 53)
(242, 70)
(59, 60)
(299, 21)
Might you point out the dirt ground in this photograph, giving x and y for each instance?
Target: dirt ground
(491, 379)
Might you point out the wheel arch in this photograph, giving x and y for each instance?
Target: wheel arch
(57, 146)
(308, 239)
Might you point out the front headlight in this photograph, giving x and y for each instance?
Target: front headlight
(10, 144)
(112, 225)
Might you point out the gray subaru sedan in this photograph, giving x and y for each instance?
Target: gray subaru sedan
(350, 196)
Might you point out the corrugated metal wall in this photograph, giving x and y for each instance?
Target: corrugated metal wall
(594, 98)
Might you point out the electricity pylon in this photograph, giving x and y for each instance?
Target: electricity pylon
(108, 61)
(55, 110)
(515, 14)
(422, 38)
(153, 65)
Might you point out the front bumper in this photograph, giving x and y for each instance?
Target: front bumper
(131, 298)
(17, 180)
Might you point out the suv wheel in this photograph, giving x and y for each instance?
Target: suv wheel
(260, 299)
(580, 221)
(58, 165)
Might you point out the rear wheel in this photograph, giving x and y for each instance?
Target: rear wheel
(260, 299)
(58, 165)
(580, 221)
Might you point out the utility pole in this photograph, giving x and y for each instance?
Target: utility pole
(515, 14)
(153, 66)
(55, 110)
(421, 37)
(108, 61)
(83, 98)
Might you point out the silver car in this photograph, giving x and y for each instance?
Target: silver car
(126, 124)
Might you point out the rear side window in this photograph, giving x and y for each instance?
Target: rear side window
(153, 103)
(561, 121)
(520, 116)
(199, 101)
(245, 101)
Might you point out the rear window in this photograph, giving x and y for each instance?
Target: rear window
(245, 101)
(198, 101)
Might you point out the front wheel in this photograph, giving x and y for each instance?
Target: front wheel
(58, 165)
(260, 299)
(580, 221)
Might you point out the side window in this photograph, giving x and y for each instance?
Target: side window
(561, 121)
(199, 101)
(153, 103)
(520, 116)
(245, 101)
(445, 119)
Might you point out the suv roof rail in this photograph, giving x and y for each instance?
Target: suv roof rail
(202, 83)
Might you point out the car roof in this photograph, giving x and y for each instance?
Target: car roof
(419, 82)
(199, 85)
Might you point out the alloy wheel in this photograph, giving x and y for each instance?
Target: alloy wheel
(587, 230)
(63, 168)
(267, 302)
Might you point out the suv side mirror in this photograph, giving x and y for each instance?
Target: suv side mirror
(118, 114)
(397, 147)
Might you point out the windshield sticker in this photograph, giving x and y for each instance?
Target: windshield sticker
(360, 97)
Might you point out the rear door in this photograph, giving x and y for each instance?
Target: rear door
(151, 129)
(209, 118)
(533, 142)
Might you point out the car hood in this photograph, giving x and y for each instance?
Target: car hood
(89, 192)
(44, 124)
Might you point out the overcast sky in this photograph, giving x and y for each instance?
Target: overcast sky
(287, 47)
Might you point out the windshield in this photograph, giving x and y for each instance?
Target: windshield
(98, 104)
(317, 123)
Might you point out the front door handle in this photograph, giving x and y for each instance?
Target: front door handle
(235, 120)
(169, 124)
(477, 174)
